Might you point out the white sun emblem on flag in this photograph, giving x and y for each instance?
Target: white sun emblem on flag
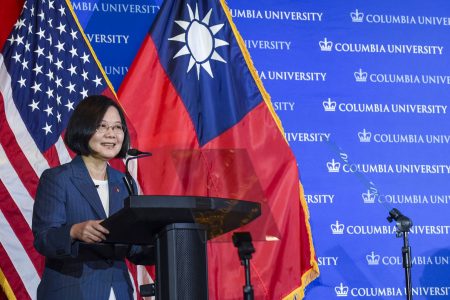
(200, 42)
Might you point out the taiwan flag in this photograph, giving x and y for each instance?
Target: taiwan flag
(195, 100)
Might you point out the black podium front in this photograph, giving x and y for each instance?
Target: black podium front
(178, 227)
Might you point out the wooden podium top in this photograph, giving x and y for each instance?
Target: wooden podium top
(144, 216)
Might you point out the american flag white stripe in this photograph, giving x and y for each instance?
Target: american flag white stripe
(25, 141)
(15, 187)
(143, 278)
(134, 290)
(63, 154)
(17, 254)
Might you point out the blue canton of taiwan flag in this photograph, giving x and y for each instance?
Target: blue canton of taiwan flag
(199, 44)
(46, 68)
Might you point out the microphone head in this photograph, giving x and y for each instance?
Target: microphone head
(136, 152)
(133, 152)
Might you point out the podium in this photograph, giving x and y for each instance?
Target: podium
(178, 227)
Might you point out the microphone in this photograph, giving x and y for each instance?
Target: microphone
(136, 152)
(128, 179)
(403, 223)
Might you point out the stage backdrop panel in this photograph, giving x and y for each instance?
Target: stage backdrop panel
(362, 89)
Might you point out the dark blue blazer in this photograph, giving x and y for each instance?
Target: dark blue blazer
(67, 195)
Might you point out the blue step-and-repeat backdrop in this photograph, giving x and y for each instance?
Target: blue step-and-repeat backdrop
(363, 91)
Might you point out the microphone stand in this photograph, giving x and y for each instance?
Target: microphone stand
(146, 290)
(403, 225)
(128, 179)
(243, 241)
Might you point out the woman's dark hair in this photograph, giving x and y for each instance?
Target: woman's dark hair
(84, 122)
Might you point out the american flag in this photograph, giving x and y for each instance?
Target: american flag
(46, 68)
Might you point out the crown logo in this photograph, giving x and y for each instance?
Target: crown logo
(360, 76)
(341, 290)
(357, 16)
(373, 259)
(369, 197)
(337, 228)
(333, 166)
(329, 105)
(325, 45)
(364, 136)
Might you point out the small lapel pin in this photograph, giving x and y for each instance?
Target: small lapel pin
(117, 189)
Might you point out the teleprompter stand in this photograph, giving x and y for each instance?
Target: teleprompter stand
(243, 242)
(178, 227)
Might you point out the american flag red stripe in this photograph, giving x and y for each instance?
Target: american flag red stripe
(14, 286)
(19, 180)
(20, 227)
(51, 156)
(17, 239)
(15, 155)
(8, 16)
(15, 263)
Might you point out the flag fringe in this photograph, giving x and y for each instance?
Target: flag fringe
(4, 284)
(80, 29)
(251, 67)
(313, 272)
(313, 260)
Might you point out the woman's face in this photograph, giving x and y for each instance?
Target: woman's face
(107, 141)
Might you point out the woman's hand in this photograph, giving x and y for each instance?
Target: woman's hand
(89, 231)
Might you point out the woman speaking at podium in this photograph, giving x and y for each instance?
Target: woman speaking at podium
(72, 200)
